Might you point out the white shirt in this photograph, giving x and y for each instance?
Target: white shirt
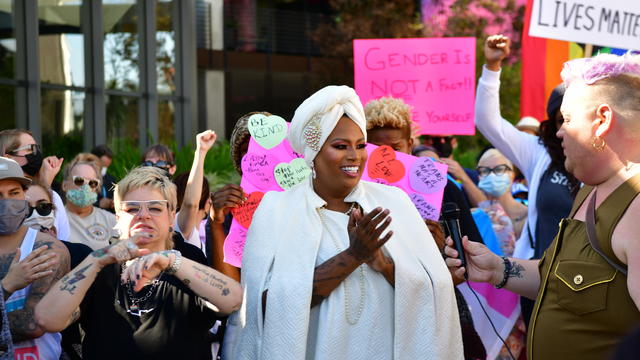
(61, 221)
(524, 150)
(94, 230)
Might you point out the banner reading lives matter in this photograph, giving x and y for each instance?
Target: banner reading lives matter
(612, 23)
(436, 76)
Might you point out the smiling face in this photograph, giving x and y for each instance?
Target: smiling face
(340, 163)
(398, 139)
(154, 218)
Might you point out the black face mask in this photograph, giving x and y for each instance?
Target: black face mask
(34, 163)
(444, 148)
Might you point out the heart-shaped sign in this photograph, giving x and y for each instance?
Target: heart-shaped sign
(233, 247)
(268, 131)
(243, 214)
(424, 177)
(291, 174)
(258, 169)
(426, 210)
(383, 165)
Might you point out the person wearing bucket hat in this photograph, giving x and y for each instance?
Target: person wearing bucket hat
(31, 262)
(358, 290)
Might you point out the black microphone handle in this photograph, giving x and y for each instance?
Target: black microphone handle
(454, 231)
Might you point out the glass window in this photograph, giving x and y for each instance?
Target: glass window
(166, 116)
(7, 40)
(121, 46)
(61, 42)
(7, 107)
(165, 47)
(122, 118)
(62, 116)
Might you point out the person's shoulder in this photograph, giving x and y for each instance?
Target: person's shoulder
(190, 252)
(44, 239)
(109, 216)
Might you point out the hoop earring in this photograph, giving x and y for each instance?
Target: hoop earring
(313, 170)
(599, 146)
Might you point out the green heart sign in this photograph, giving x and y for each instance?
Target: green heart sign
(268, 131)
(291, 174)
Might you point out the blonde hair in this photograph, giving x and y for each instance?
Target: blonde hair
(84, 159)
(147, 177)
(389, 112)
(493, 153)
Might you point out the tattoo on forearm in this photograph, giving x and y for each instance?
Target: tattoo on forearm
(101, 252)
(48, 244)
(70, 279)
(206, 276)
(516, 270)
(186, 282)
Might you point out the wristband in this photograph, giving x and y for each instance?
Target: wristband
(507, 269)
(175, 264)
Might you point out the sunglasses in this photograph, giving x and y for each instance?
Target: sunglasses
(498, 170)
(32, 149)
(160, 164)
(80, 181)
(43, 208)
(153, 207)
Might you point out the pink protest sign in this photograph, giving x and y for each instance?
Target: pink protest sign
(436, 76)
(269, 165)
(421, 178)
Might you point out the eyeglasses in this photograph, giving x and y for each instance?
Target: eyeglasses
(498, 170)
(153, 207)
(160, 164)
(79, 181)
(43, 208)
(32, 149)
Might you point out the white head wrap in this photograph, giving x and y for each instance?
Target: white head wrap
(317, 116)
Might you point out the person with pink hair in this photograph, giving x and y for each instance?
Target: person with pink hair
(586, 285)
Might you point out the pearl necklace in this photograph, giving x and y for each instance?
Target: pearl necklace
(347, 301)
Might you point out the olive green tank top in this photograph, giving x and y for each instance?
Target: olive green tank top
(583, 308)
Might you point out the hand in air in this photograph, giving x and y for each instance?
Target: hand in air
(496, 49)
(205, 140)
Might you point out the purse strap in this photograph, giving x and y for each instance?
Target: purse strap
(591, 234)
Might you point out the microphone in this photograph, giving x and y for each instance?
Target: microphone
(450, 217)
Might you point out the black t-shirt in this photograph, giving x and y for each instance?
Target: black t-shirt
(467, 225)
(176, 328)
(553, 202)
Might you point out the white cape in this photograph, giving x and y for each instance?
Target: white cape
(282, 244)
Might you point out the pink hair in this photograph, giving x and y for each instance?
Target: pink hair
(602, 66)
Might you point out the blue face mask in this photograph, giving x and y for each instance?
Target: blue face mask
(82, 196)
(495, 185)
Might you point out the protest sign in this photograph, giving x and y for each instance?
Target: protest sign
(421, 178)
(612, 23)
(436, 76)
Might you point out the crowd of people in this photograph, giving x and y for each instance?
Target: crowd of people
(337, 268)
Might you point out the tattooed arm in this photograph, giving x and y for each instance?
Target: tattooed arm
(224, 293)
(523, 277)
(330, 274)
(22, 322)
(59, 307)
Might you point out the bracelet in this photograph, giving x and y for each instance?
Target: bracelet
(507, 269)
(175, 264)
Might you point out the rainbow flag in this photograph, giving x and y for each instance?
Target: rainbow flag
(542, 61)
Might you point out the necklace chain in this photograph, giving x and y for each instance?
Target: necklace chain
(347, 300)
(134, 308)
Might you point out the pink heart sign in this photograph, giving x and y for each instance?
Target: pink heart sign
(258, 169)
(426, 210)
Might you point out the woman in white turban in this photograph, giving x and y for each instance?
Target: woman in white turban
(327, 273)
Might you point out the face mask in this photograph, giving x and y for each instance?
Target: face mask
(34, 163)
(37, 221)
(82, 196)
(12, 215)
(495, 185)
(444, 149)
(103, 171)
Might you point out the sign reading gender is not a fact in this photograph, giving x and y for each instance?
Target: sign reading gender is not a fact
(436, 76)
(613, 23)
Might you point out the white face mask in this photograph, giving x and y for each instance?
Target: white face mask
(103, 171)
(37, 221)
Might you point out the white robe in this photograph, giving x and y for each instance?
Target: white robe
(280, 255)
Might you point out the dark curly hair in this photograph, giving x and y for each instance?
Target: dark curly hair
(553, 144)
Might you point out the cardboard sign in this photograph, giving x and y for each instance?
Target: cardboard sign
(612, 23)
(436, 76)
(421, 178)
(267, 166)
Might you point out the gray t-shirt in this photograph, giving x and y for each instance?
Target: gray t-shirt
(94, 230)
